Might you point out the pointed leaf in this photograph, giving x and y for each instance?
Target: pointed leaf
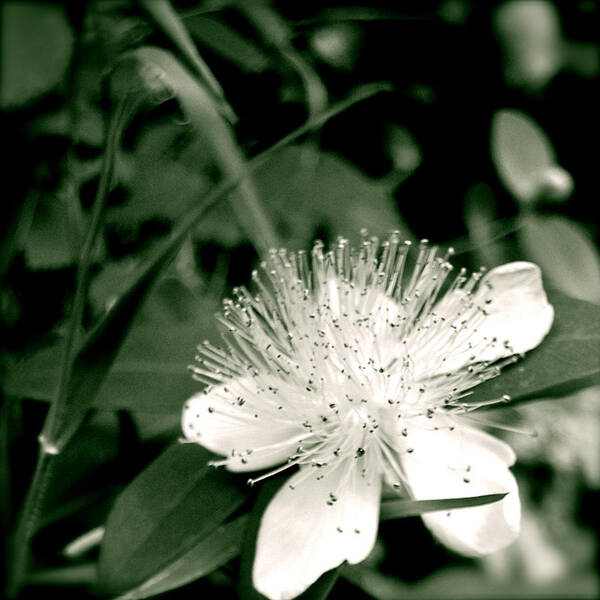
(566, 360)
(161, 68)
(307, 189)
(568, 258)
(212, 552)
(395, 509)
(521, 151)
(228, 43)
(150, 371)
(168, 20)
(96, 355)
(163, 514)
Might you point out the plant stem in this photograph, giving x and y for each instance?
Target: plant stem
(27, 523)
(30, 513)
(56, 413)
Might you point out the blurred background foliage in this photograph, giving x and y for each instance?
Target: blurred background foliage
(477, 132)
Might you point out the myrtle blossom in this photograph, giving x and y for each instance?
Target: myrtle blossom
(355, 369)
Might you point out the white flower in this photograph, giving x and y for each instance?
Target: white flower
(356, 370)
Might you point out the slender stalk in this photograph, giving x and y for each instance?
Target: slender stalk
(30, 513)
(56, 412)
(27, 524)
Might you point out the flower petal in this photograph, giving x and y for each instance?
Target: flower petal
(234, 420)
(517, 317)
(456, 461)
(320, 518)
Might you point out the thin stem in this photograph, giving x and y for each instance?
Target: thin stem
(30, 512)
(56, 412)
(28, 522)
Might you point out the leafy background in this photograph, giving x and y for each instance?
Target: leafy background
(146, 167)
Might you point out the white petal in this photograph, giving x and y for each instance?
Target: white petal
(459, 463)
(518, 316)
(304, 532)
(235, 421)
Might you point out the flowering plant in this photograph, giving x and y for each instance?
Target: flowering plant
(156, 151)
(358, 370)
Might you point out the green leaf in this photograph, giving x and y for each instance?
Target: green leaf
(521, 152)
(566, 360)
(212, 552)
(396, 509)
(37, 44)
(226, 42)
(165, 513)
(164, 175)
(150, 371)
(307, 189)
(568, 258)
(160, 69)
(149, 374)
(96, 355)
(55, 235)
(168, 20)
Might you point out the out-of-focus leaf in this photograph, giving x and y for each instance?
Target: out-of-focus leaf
(317, 591)
(566, 360)
(80, 470)
(162, 71)
(481, 218)
(338, 44)
(165, 192)
(521, 152)
(15, 230)
(149, 375)
(212, 552)
(306, 190)
(96, 355)
(150, 372)
(531, 42)
(55, 235)
(163, 514)
(37, 43)
(278, 34)
(227, 43)
(396, 509)
(566, 255)
(168, 20)
(402, 148)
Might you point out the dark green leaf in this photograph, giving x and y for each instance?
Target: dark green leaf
(158, 67)
(168, 20)
(212, 552)
(150, 371)
(97, 353)
(568, 258)
(150, 374)
(37, 43)
(165, 192)
(395, 509)
(55, 235)
(307, 189)
(163, 514)
(229, 44)
(566, 360)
